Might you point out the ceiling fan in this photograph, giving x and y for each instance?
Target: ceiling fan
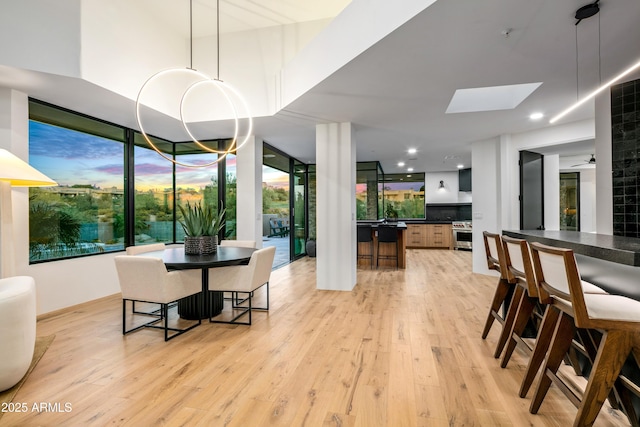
(591, 161)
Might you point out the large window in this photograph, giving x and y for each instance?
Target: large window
(368, 178)
(153, 200)
(196, 185)
(231, 196)
(403, 195)
(114, 190)
(311, 176)
(84, 214)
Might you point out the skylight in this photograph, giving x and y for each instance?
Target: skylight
(490, 98)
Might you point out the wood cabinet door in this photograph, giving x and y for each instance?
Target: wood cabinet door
(416, 235)
(439, 235)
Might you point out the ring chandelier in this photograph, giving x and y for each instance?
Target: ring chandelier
(225, 89)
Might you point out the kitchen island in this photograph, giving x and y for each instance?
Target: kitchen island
(385, 249)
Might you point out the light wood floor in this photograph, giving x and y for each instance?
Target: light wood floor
(402, 349)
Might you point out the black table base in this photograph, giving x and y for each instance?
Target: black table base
(213, 301)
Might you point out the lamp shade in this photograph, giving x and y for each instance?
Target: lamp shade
(19, 173)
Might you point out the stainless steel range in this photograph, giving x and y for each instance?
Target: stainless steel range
(462, 234)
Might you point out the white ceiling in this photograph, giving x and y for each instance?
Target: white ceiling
(396, 93)
(238, 15)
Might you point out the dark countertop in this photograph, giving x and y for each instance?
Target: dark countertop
(374, 224)
(425, 221)
(622, 250)
(409, 221)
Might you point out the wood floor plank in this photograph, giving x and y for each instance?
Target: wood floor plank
(402, 349)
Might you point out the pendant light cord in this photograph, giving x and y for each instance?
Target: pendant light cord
(577, 68)
(599, 57)
(218, 37)
(191, 34)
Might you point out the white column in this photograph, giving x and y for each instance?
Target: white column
(14, 202)
(335, 207)
(487, 191)
(604, 184)
(551, 192)
(249, 187)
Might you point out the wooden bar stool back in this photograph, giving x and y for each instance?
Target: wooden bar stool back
(525, 298)
(388, 237)
(550, 320)
(616, 317)
(494, 252)
(365, 237)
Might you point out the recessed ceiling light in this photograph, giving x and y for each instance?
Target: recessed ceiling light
(460, 166)
(408, 176)
(536, 116)
(268, 156)
(400, 164)
(409, 169)
(412, 151)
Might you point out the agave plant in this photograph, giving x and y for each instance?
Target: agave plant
(199, 220)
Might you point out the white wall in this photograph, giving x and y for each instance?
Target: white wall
(251, 60)
(496, 185)
(486, 176)
(144, 45)
(450, 194)
(249, 191)
(551, 173)
(360, 25)
(41, 35)
(604, 184)
(588, 205)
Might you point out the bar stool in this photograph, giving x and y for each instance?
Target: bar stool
(365, 236)
(546, 330)
(616, 317)
(387, 234)
(495, 261)
(525, 298)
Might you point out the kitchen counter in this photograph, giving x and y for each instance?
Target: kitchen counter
(618, 249)
(364, 248)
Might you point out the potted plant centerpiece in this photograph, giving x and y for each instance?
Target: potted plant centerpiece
(201, 226)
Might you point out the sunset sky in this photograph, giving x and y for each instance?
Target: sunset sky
(71, 157)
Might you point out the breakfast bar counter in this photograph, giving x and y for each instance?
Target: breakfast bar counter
(618, 249)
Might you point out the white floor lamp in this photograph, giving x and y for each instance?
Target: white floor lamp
(14, 172)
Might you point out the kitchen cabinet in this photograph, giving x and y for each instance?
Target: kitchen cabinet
(429, 236)
(439, 236)
(416, 235)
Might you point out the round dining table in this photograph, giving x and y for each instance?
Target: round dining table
(211, 301)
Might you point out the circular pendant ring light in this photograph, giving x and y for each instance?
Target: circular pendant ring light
(223, 87)
(146, 137)
(184, 122)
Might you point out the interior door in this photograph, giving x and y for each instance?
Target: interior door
(531, 191)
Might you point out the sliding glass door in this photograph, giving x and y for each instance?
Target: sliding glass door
(298, 210)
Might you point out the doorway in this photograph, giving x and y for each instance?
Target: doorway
(531, 191)
(284, 205)
(276, 211)
(570, 201)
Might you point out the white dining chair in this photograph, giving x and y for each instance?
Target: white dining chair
(244, 279)
(239, 243)
(146, 279)
(137, 250)
(140, 249)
